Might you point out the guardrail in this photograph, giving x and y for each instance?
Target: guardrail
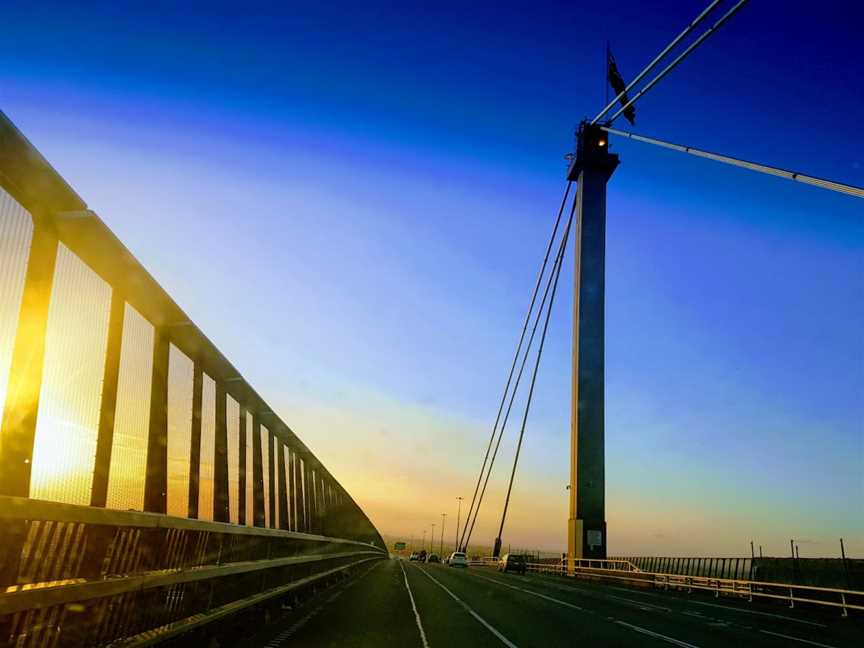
(825, 596)
(146, 488)
(93, 576)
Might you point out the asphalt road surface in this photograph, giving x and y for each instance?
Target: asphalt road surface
(399, 603)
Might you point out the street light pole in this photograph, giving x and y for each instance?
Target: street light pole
(432, 539)
(441, 547)
(458, 518)
(423, 546)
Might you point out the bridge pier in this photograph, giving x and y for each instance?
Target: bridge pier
(591, 169)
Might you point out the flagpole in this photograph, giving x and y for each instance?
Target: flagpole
(606, 80)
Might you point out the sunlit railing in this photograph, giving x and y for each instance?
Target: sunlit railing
(143, 482)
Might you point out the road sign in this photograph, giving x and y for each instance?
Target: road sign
(399, 546)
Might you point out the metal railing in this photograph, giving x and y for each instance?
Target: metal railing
(787, 592)
(93, 576)
(156, 491)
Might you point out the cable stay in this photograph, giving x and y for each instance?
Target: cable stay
(839, 187)
(515, 360)
(555, 269)
(694, 23)
(678, 59)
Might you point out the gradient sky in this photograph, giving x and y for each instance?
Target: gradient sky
(352, 203)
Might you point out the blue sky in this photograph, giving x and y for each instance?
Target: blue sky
(352, 203)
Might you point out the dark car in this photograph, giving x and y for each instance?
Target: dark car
(433, 558)
(513, 563)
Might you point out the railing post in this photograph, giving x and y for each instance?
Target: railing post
(292, 489)
(258, 479)
(241, 505)
(108, 405)
(221, 509)
(271, 474)
(195, 443)
(307, 505)
(18, 430)
(156, 484)
(18, 427)
(283, 491)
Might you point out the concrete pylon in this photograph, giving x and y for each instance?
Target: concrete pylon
(591, 169)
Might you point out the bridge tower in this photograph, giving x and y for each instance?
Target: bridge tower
(591, 168)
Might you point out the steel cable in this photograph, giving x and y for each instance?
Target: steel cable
(556, 271)
(516, 355)
(559, 255)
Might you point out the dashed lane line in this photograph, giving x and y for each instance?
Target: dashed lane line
(483, 621)
(730, 608)
(798, 639)
(532, 593)
(656, 635)
(414, 607)
(645, 631)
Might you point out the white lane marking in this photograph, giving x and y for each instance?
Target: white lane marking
(732, 608)
(642, 605)
(656, 635)
(644, 631)
(414, 606)
(483, 621)
(806, 641)
(527, 591)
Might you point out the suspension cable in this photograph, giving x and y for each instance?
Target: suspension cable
(713, 28)
(518, 350)
(556, 270)
(839, 187)
(658, 58)
(562, 246)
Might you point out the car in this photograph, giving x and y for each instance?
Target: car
(457, 559)
(513, 563)
(433, 558)
(413, 556)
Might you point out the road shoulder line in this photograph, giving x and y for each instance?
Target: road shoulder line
(414, 607)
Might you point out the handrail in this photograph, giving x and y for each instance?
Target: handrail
(19, 598)
(737, 587)
(24, 508)
(160, 634)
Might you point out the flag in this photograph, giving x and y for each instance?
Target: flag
(618, 85)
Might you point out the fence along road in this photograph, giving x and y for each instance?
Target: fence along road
(146, 489)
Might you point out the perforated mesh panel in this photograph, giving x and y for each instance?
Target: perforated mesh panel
(16, 231)
(180, 376)
(287, 468)
(208, 449)
(64, 451)
(265, 471)
(232, 420)
(128, 468)
(250, 474)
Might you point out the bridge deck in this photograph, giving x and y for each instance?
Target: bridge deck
(480, 607)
